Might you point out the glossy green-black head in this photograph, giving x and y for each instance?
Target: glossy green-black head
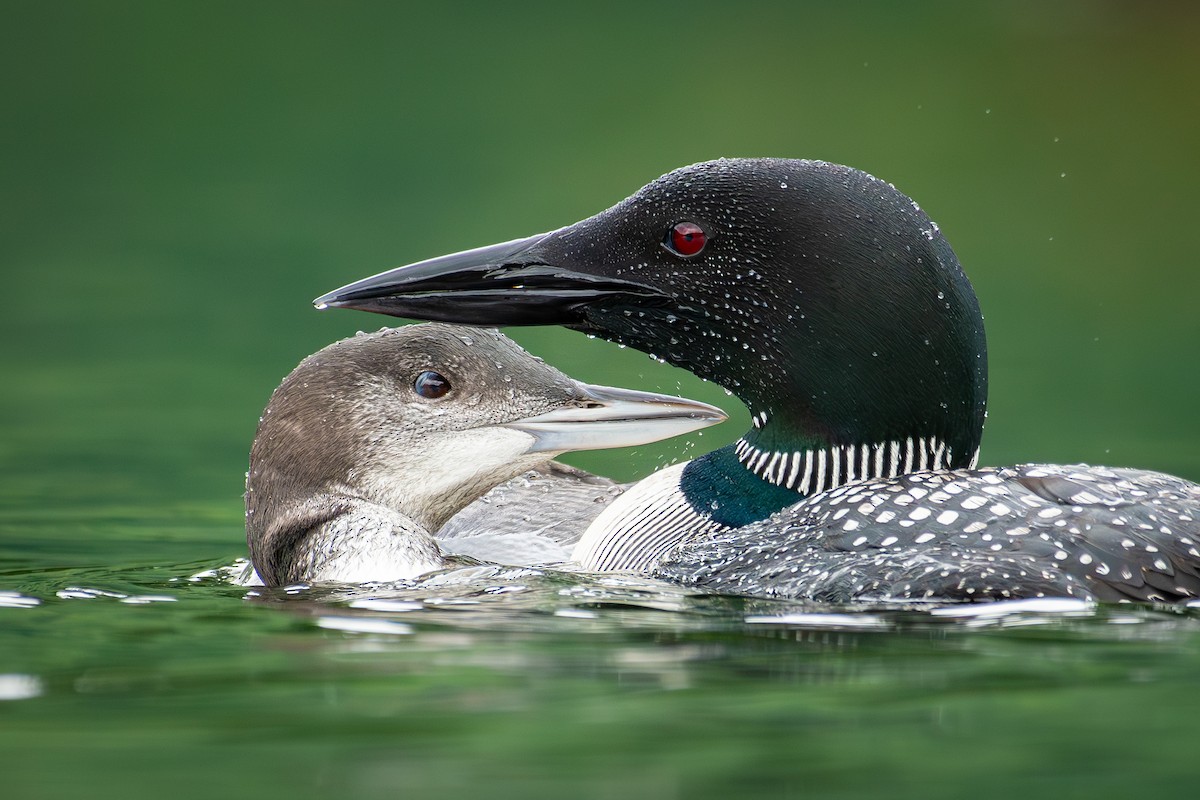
(821, 296)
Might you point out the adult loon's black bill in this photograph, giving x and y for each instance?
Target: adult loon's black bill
(522, 282)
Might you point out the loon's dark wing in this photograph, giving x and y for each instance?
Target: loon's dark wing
(1027, 531)
(535, 518)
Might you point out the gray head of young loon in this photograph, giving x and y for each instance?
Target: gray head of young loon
(834, 308)
(375, 441)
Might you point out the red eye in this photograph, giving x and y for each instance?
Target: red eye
(685, 239)
(431, 385)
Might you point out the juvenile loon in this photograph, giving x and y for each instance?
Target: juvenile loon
(835, 309)
(375, 441)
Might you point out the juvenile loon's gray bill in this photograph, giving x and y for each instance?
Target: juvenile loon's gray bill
(607, 416)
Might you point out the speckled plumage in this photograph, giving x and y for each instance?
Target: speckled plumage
(1026, 531)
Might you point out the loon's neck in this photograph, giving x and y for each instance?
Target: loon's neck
(766, 471)
(719, 488)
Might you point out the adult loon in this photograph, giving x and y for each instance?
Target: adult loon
(835, 309)
(375, 441)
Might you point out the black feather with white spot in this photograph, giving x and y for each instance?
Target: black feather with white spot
(1026, 531)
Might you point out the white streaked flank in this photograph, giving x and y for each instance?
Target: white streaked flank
(638, 528)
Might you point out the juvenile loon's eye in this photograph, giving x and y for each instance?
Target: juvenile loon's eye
(685, 239)
(431, 385)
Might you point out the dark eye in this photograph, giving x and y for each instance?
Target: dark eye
(685, 239)
(431, 385)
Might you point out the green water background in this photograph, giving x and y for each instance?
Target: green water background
(179, 180)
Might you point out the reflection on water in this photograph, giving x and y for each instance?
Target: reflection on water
(19, 687)
(529, 681)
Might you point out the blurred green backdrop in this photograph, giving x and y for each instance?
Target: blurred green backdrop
(179, 180)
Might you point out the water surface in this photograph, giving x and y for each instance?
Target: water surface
(162, 677)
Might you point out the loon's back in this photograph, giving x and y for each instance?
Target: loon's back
(997, 533)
